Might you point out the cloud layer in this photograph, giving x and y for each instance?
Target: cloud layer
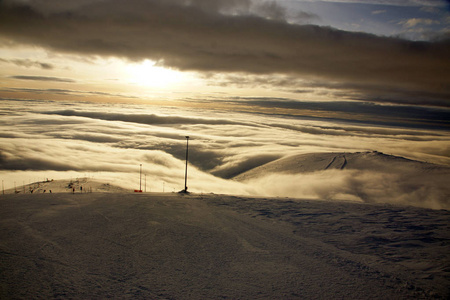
(42, 78)
(230, 36)
(366, 186)
(50, 139)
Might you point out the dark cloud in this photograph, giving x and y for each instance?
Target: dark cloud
(341, 90)
(28, 63)
(40, 91)
(204, 159)
(204, 154)
(32, 163)
(393, 133)
(425, 3)
(231, 170)
(89, 137)
(194, 35)
(271, 10)
(67, 92)
(148, 119)
(42, 78)
(385, 94)
(303, 16)
(359, 112)
(208, 158)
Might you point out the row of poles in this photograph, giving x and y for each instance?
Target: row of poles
(185, 173)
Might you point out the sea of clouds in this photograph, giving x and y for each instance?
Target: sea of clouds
(61, 140)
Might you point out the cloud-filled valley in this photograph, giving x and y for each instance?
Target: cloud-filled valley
(59, 139)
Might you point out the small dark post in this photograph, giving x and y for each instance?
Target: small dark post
(185, 175)
(140, 178)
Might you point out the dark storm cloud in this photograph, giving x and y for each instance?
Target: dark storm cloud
(42, 78)
(194, 35)
(28, 63)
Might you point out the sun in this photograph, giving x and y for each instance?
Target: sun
(147, 74)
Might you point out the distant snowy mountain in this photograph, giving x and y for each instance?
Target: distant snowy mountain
(365, 161)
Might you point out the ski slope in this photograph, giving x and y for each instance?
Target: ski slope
(174, 246)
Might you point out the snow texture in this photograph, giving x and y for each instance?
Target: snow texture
(193, 246)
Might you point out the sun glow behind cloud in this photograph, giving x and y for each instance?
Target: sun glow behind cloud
(148, 74)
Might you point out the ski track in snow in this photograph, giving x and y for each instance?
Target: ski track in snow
(170, 246)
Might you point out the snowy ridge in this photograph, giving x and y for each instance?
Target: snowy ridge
(371, 177)
(313, 162)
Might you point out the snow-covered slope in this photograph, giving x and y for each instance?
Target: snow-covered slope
(368, 161)
(78, 185)
(363, 176)
(178, 246)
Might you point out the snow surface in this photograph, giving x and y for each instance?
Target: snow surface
(193, 246)
(373, 161)
(371, 177)
(81, 185)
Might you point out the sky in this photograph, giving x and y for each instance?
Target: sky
(383, 52)
(251, 80)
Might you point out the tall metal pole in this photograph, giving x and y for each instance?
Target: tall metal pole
(140, 178)
(185, 174)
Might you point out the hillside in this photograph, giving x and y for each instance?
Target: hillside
(371, 177)
(366, 161)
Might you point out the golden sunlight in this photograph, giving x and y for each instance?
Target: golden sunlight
(149, 75)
